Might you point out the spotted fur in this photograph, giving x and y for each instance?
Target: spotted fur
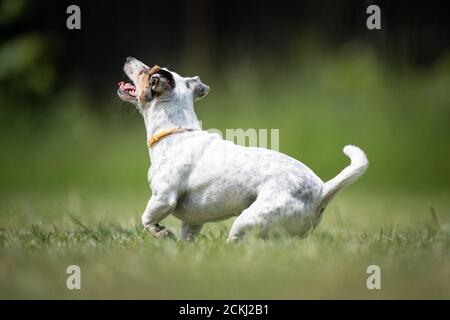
(198, 177)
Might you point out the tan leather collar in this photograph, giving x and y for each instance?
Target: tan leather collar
(158, 136)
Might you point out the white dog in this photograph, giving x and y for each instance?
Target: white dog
(198, 177)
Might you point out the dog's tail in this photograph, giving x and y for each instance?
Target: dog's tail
(357, 167)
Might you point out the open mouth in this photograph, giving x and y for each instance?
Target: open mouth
(127, 89)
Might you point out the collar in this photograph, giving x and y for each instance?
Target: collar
(158, 136)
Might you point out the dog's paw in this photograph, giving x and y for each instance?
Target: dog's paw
(166, 233)
(159, 231)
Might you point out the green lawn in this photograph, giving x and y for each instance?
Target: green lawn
(41, 236)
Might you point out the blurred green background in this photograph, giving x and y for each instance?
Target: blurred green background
(74, 158)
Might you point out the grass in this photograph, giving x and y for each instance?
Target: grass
(73, 187)
(406, 238)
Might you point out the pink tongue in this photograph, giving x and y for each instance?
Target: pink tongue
(125, 86)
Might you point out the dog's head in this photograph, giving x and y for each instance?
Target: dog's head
(157, 84)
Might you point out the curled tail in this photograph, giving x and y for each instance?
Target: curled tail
(357, 167)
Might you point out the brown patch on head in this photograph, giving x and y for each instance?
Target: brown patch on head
(143, 84)
(144, 78)
(154, 69)
(159, 79)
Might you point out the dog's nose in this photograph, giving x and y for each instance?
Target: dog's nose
(204, 89)
(129, 59)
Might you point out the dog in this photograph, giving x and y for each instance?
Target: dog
(198, 177)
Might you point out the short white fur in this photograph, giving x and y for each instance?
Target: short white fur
(198, 177)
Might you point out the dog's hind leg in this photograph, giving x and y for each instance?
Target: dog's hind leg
(190, 231)
(248, 220)
(267, 213)
(256, 217)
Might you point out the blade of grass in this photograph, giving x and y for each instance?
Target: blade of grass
(77, 222)
(434, 216)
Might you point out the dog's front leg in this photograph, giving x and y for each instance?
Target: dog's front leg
(158, 208)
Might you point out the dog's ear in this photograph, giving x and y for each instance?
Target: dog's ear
(161, 81)
(198, 88)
